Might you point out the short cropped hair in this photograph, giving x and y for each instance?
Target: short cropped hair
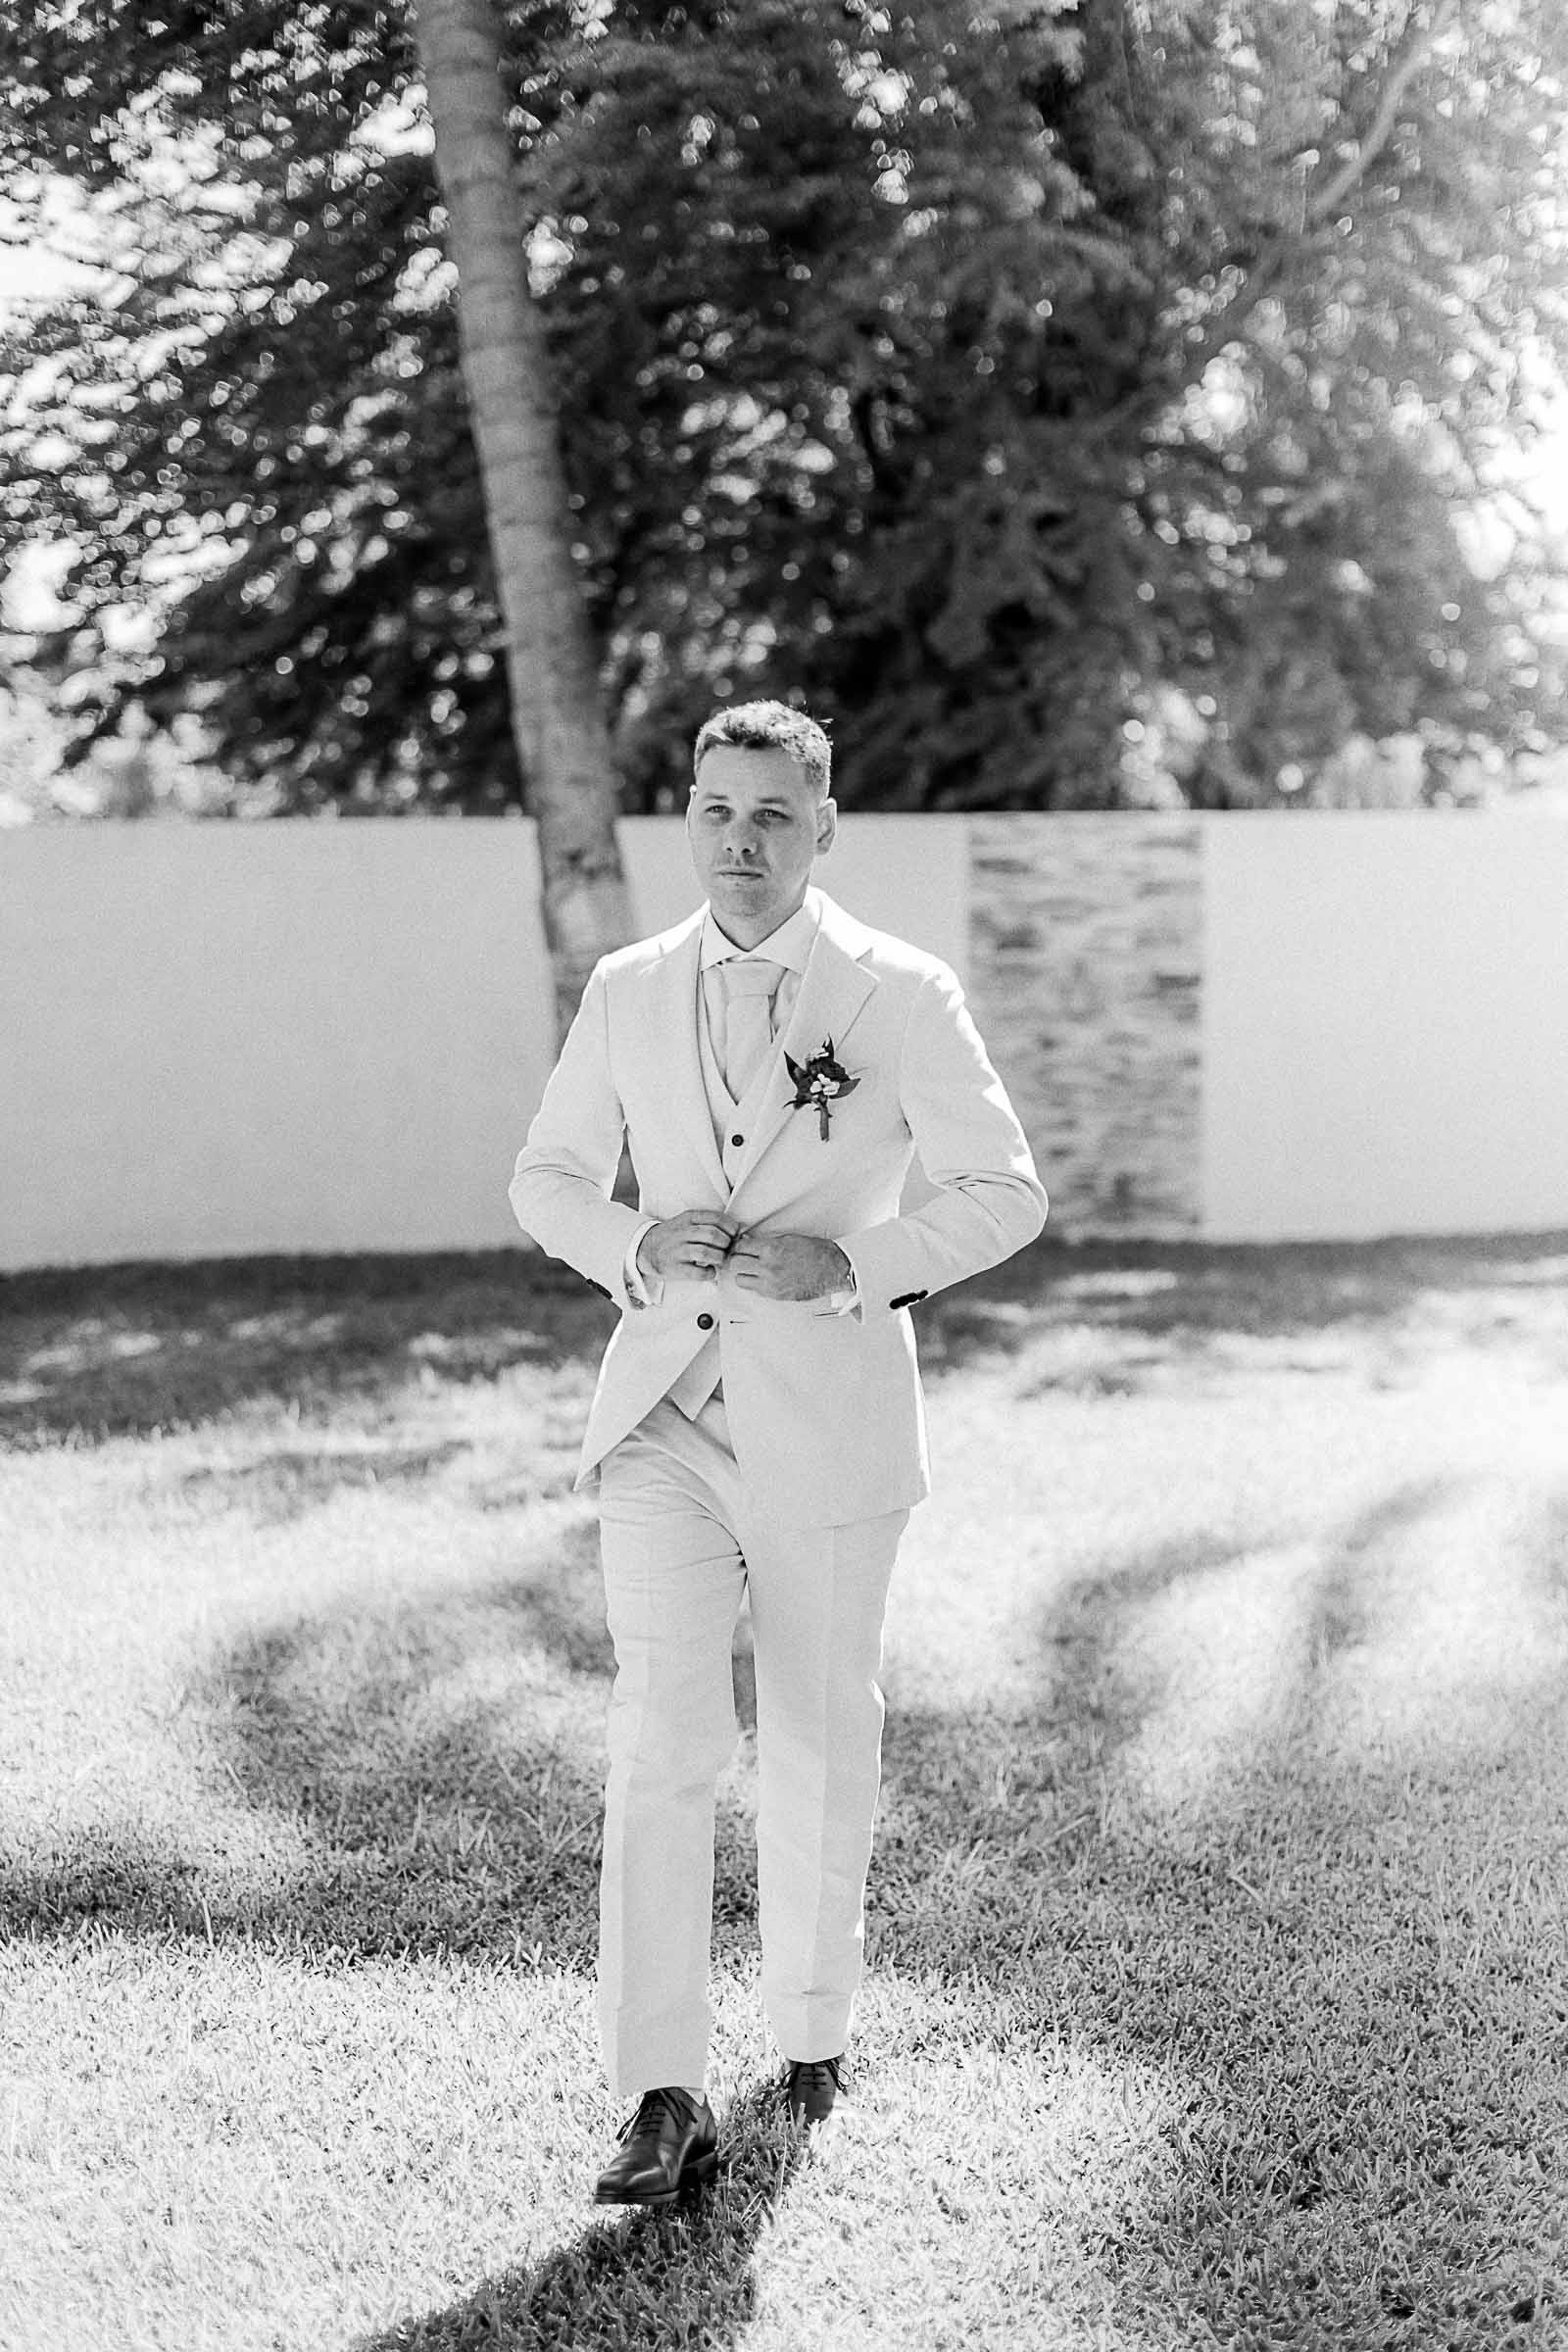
(770, 726)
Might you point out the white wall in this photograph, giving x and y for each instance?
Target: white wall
(1385, 1024)
(224, 1039)
(233, 1038)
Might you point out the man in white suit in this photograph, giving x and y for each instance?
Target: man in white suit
(758, 1424)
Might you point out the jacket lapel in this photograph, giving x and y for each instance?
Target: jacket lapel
(671, 1005)
(834, 988)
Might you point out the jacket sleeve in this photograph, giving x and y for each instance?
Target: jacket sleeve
(989, 1200)
(565, 1173)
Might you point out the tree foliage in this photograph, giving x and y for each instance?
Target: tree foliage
(1021, 387)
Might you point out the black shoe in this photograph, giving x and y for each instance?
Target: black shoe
(670, 2146)
(810, 2087)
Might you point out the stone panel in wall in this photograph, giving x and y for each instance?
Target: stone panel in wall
(1085, 973)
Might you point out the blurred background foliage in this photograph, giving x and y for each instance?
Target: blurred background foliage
(1076, 405)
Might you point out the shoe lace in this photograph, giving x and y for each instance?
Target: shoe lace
(654, 2110)
(813, 2071)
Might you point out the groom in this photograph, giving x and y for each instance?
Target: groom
(757, 1425)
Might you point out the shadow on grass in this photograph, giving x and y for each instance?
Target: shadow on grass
(1346, 1955)
(422, 1776)
(642, 2277)
(438, 1874)
(94, 1353)
(1113, 1319)
(1344, 1960)
(102, 1351)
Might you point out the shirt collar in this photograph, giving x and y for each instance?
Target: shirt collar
(790, 945)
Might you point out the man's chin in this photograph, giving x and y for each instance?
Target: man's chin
(744, 892)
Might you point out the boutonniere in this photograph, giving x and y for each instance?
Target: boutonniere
(819, 1082)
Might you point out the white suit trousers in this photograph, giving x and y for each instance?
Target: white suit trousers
(680, 1550)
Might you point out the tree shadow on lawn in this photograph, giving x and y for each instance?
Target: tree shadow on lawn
(1346, 1960)
(642, 2276)
(422, 1776)
(1113, 1319)
(94, 1353)
(103, 1352)
(1343, 1966)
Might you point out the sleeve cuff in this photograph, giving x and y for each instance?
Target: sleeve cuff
(640, 1292)
(847, 1297)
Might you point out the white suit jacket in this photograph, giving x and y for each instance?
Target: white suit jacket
(824, 1409)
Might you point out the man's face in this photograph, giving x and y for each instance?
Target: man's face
(755, 827)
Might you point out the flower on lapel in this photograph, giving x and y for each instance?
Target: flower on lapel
(819, 1082)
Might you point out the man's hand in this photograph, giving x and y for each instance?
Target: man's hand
(789, 1265)
(690, 1248)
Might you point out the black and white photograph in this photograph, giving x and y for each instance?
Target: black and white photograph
(784, 1176)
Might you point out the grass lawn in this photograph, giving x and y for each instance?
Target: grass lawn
(1218, 1960)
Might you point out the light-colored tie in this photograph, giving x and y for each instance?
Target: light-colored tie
(748, 984)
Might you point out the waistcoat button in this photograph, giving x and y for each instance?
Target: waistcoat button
(737, 1140)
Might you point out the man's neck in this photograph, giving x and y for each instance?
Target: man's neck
(750, 935)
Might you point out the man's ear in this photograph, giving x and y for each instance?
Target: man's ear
(827, 825)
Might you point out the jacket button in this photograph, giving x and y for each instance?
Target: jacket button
(737, 1140)
(704, 1322)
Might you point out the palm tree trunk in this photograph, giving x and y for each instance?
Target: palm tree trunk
(557, 719)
